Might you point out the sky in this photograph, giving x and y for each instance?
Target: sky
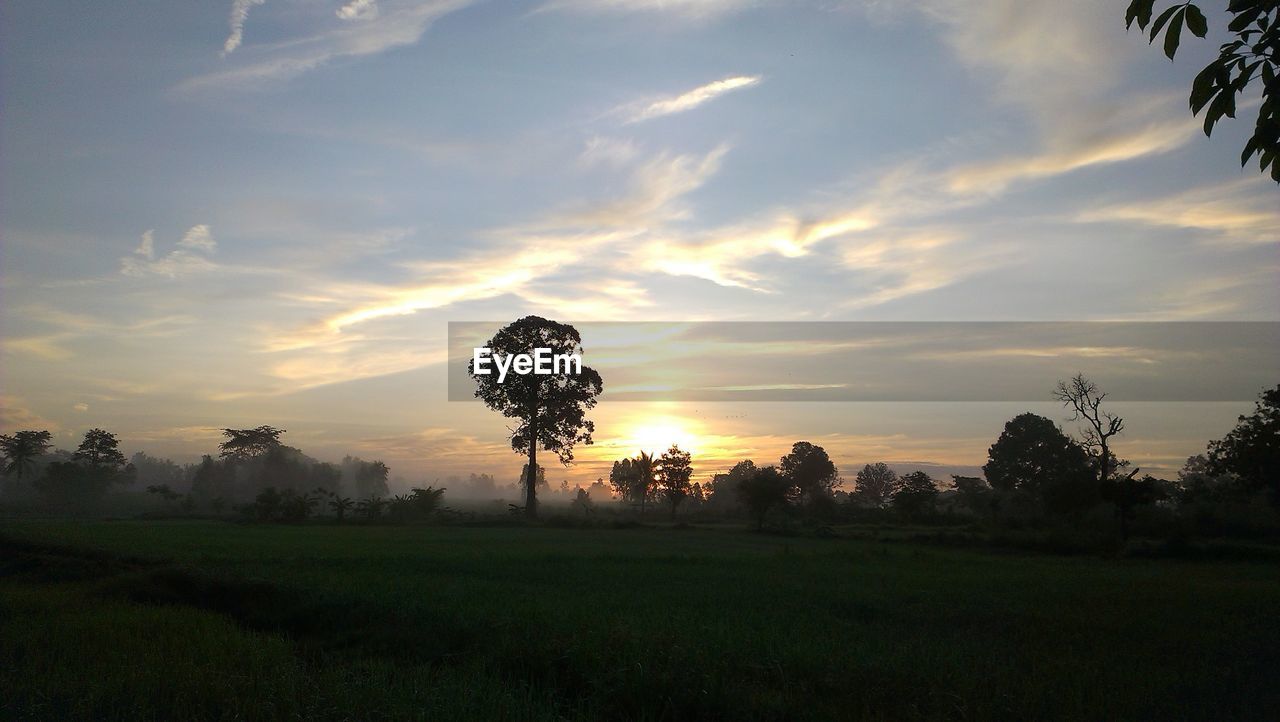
(268, 212)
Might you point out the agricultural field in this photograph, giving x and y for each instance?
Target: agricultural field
(217, 620)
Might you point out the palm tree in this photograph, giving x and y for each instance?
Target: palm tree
(371, 508)
(22, 449)
(340, 505)
(646, 468)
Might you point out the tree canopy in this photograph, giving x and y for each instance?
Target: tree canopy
(810, 470)
(550, 409)
(1251, 450)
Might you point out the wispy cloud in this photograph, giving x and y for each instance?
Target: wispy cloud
(190, 256)
(359, 10)
(393, 26)
(1240, 213)
(688, 9)
(239, 15)
(691, 99)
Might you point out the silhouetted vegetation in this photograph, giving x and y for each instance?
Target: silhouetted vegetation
(1252, 55)
(551, 409)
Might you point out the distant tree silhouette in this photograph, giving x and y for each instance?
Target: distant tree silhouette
(165, 493)
(762, 490)
(341, 505)
(582, 502)
(212, 479)
(371, 508)
(1251, 451)
(369, 477)
(550, 409)
(810, 470)
(973, 493)
(1034, 457)
(1253, 54)
(21, 450)
(245, 444)
(674, 470)
(722, 489)
(100, 449)
(875, 485)
(916, 494)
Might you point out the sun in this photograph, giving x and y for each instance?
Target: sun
(658, 434)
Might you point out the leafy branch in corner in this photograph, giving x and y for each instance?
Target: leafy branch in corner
(1253, 54)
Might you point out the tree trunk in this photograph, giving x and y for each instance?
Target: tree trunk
(531, 482)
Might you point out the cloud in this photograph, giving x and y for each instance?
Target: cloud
(239, 14)
(147, 247)
(1241, 213)
(692, 99)
(359, 10)
(689, 9)
(609, 152)
(15, 416)
(81, 407)
(188, 258)
(199, 238)
(393, 26)
(1069, 154)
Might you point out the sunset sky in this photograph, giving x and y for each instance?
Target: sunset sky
(234, 213)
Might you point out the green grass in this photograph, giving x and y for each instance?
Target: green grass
(212, 620)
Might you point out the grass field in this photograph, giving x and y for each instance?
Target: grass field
(203, 620)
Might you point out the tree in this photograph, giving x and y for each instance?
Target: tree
(1253, 54)
(973, 493)
(916, 494)
(212, 479)
(371, 478)
(371, 508)
(164, 492)
(245, 444)
(99, 449)
(582, 502)
(810, 470)
(21, 450)
(550, 408)
(763, 490)
(674, 471)
(340, 506)
(1034, 457)
(1084, 398)
(1251, 450)
(722, 490)
(875, 485)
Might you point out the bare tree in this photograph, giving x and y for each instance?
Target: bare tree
(1084, 398)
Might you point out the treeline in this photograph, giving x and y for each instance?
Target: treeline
(1035, 474)
(253, 473)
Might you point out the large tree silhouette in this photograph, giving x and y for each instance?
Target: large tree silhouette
(1033, 456)
(1252, 449)
(550, 409)
(810, 470)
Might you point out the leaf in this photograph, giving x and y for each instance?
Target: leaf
(1160, 21)
(1249, 149)
(1203, 89)
(1196, 22)
(1174, 35)
(1242, 21)
(1134, 12)
(1216, 110)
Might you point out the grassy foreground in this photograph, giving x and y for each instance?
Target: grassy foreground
(211, 620)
